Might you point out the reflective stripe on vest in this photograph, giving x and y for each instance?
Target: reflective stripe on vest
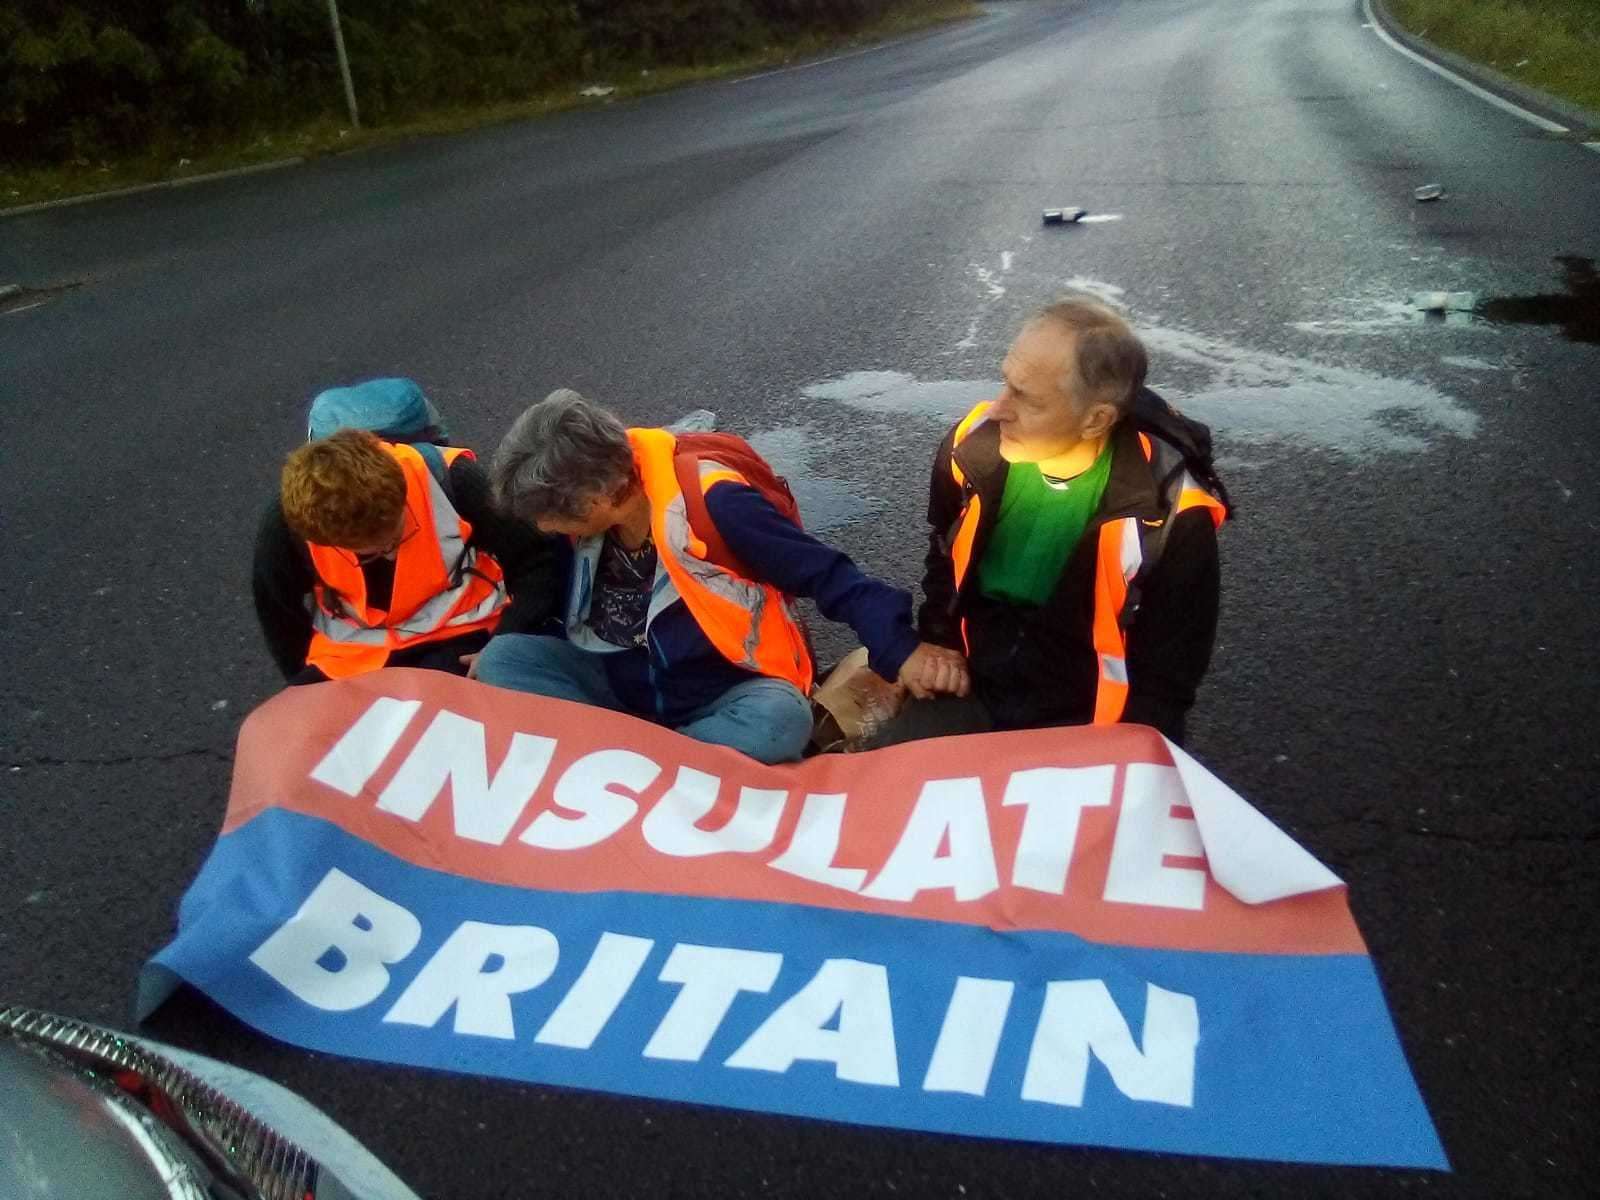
(1118, 557)
(751, 624)
(1117, 561)
(972, 512)
(442, 587)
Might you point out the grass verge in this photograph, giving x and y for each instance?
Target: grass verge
(330, 135)
(1553, 45)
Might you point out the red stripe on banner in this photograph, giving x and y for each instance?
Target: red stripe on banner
(1008, 830)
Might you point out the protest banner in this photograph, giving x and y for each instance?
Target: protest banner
(1072, 935)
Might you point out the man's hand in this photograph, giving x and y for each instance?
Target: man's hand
(935, 671)
(470, 662)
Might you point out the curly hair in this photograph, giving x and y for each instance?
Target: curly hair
(343, 490)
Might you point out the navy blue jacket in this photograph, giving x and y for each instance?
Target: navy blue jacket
(680, 671)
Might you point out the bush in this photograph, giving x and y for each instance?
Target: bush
(89, 78)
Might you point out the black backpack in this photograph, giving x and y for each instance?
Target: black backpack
(1154, 416)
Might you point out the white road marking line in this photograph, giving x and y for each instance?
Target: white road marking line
(1499, 102)
(26, 307)
(821, 62)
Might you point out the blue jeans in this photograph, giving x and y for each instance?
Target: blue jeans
(768, 719)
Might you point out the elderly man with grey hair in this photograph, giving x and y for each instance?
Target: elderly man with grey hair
(659, 626)
(1073, 550)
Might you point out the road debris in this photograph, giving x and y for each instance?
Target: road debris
(1444, 301)
(596, 90)
(1429, 191)
(1064, 216)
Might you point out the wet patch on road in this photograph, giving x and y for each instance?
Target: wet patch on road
(826, 504)
(1388, 316)
(1577, 311)
(893, 392)
(1251, 398)
(1261, 398)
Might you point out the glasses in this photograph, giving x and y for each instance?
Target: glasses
(408, 529)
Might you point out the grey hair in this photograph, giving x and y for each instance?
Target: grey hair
(559, 455)
(1111, 362)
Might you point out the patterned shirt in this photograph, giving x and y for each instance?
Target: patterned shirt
(623, 583)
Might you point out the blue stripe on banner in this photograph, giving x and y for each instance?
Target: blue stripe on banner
(855, 1017)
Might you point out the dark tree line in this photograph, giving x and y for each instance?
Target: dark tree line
(90, 78)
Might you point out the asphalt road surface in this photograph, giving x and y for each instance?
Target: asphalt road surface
(834, 258)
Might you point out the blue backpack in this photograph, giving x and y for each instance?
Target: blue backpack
(394, 409)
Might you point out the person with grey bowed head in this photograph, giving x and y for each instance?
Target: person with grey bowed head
(656, 624)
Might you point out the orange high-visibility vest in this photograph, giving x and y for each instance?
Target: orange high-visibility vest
(1118, 557)
(443, 588)
(751, 624)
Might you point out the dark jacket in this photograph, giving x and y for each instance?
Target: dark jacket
(282, 577)
(683, 671)
(1036, 667)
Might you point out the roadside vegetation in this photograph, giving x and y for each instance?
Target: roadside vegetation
(102, 94)
(1553, 45)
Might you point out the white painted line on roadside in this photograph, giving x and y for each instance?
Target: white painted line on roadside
(1595, 146)
(1499, 102)
(36, 304)
(821, 62)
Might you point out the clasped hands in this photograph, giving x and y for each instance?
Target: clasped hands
(935, 671)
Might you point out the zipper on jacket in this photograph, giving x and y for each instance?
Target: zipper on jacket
(651, 646)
